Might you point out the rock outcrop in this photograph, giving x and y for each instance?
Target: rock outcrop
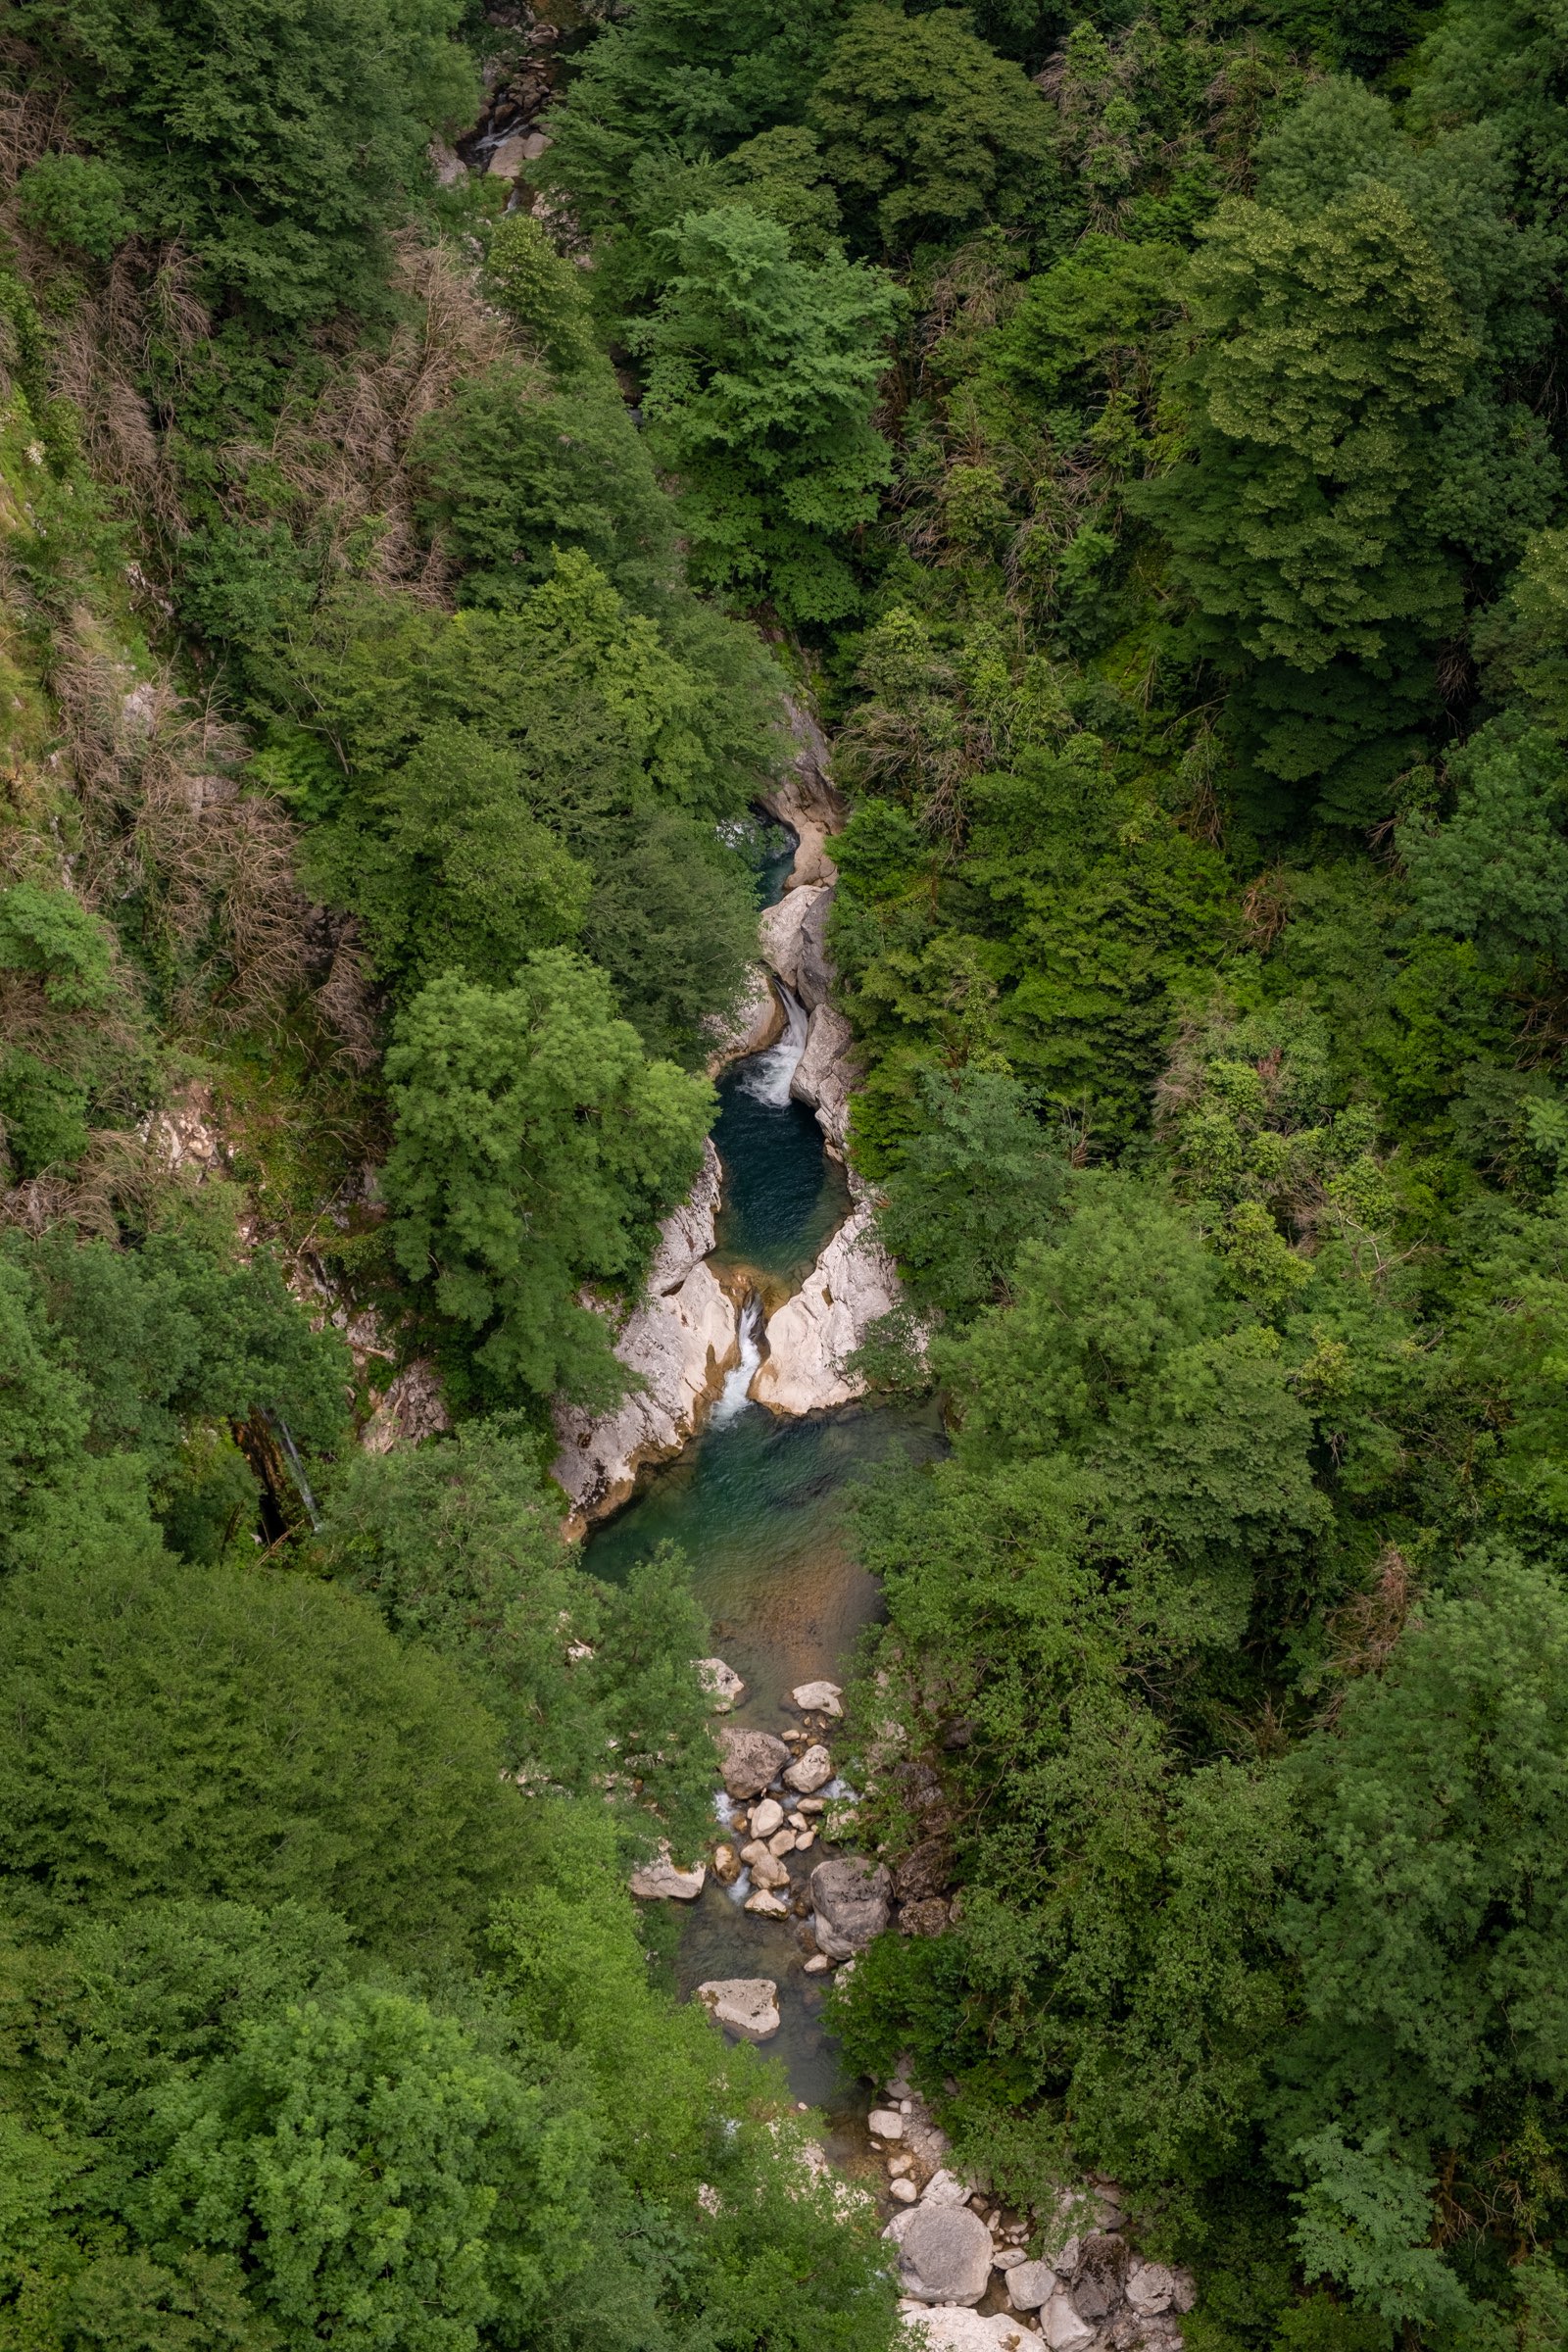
(681, 1340)
(807, 801)
(810, 1335)
(827, 1073)
(721, 1683)
(850, 1901)
(756, 1024)
(793, 934)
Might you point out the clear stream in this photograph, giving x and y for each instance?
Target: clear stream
(758, 1505)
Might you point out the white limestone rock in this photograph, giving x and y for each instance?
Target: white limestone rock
(767, 1904)
(1030, 2283)
(954, 2327)
(721, 1683)
(1065, 2331)
(807, 801)
(661, 1880)
(682, 1339)
(1151, 2287)
(744, 2005)
(885, 2123)
(766, 1817)
(809, 1772)
(944, 2253)
(791, 936)
(817, 1698)
(810, 1335)
(828, 1073)
(749, 1760)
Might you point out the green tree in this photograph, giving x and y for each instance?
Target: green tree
(1428, 1930)
(1325, 347)
(760, 373)
(247, 1735)
(277, 143)
(382, 2180)
(978, 1178)
(928, 134)
(535, 1146)
(1496, 871)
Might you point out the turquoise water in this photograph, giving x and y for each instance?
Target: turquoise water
(784, 1199)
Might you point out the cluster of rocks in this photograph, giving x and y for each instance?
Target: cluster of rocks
(978, 2278)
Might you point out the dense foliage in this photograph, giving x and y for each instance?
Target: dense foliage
(1139, 432)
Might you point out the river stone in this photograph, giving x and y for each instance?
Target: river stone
(944, 2188)
(782, 1841)
(952, 2327)
(1151, 2287)
(767, 1817)
(749, 1760)
(769, 1871)
(767, 1904)
(747, 2005)
(726, 1865)
(812, 1772)
(660, 1879)
(1030, 2283)
(885, 2123)
(850, 1901)
(817, 1698)
(943, 2254)
(1099, 2276)
(1065, 2331)
(721, 1683)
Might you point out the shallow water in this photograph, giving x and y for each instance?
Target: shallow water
(759, 1507)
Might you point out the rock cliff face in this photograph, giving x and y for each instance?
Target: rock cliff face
(792, 935)
(807, 801)
(809, 1337)
(682, 1339)
(828, 1075)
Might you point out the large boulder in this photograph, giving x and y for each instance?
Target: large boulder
(828, 1072)
(791, 936)
(944, 2253)
(1151, 2287)
(721, 1683)
(749, 1760)
(1062, 2327)
(745, 2005)
(812, 1772)
(850, 1900)
(818, 1699)
(1100, 2275)
(953, 2328)
(660, 1879)
(1029, 2285)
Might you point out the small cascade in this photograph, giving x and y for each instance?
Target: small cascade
(766, 1077)
(732, 1396)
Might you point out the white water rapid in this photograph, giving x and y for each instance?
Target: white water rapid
(767, 1076)
(732, 1396)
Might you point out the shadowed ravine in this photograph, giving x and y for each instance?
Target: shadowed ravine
(757, 1504)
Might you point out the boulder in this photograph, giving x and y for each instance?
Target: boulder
(944, 2188)
(902, 2189)
(448, 166)
(745, 2005)
(1064, 2329)
(810, 1335)
(1098, 2276)
(721, 1683)
(660, 1879)
(726, 1865)
(885, 2123)
(1030, 2283)
(769, 1871)
(1150, 2286)
(767, 1905)
(767, 1817)
(817, 1698)
(928, 1918)
(506, 156)
(811, 1772)
(781, 1842)
(953, 2328)
(944, 2253)
(850, 1901)
(749, 1760)
(924, 1870)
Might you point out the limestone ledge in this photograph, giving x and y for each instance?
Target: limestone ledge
(682, 1338)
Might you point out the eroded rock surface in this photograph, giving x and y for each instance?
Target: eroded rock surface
(792, 933)
(944, 2253)
(662, 1881)
(681, 1340)
(756, 1024)
(850, 1901)
(747, 2005)
(828, 1073)
(749, 1760)
(807, 801)
(811, 1335)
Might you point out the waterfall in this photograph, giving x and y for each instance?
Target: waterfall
(766, 1077)
(732, 1396)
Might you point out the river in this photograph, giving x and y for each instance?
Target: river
(758, 1504)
